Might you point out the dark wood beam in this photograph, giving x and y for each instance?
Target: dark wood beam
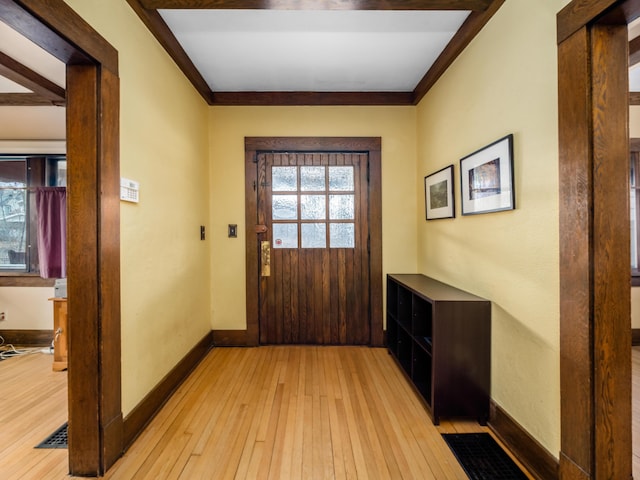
(26, 100)
(23, 15)
(312, 98)
(475, 5)
(579, 13)
(634, 98)
(160, 30)
(467, 32)
(634, 51)
(23, 75)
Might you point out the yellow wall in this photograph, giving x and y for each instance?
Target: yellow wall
(505, 82)
(229, 126)
(164, 146)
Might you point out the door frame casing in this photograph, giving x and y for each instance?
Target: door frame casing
(595, 286)
(369, 145)
(93, 227)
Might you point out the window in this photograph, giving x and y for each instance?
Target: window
(19, 175)
(315, 204)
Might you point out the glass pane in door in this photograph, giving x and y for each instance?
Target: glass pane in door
(314, 235)
(341, 179)
(341, 207)
(284, 207)
(313, 207)
(342, 235)
(312, 179)
(284, 179)
(285, 235)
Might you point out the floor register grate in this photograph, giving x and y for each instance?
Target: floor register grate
(482, 458)
(57, 439)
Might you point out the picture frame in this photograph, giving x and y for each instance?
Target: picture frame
(438, 194)
(487, 180)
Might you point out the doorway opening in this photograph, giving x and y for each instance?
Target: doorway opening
(92, 99)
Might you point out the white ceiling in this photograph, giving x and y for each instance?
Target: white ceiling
(30, 123)
(302, 50)
(7, 86)
(31, 55)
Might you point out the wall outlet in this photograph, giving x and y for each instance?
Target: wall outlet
(3, 316)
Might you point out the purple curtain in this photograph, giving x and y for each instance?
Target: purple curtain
(51, 206)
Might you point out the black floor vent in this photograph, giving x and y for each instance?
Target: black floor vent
(482, 458)
(57, 439)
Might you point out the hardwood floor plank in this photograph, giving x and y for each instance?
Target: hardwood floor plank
(255, 397)
(351, 470)
(366, 418)
(307, 438)
(254, 465)
(33, 404)
(385, 424)
(358, 444)
(335, 439)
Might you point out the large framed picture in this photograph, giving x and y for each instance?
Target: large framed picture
(487, 178)
(438, 193)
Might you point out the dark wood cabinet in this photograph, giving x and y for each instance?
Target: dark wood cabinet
(441, 338)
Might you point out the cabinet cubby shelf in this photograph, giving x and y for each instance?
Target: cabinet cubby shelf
(440, 337)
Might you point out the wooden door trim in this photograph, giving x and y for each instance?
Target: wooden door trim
(370, 145)
(95, 418)
(595, 343)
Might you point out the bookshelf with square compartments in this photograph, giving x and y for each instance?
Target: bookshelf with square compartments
(441, 338)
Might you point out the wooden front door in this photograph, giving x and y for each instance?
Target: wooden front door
(314, 260)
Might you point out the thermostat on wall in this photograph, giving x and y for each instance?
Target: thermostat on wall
(129, 190)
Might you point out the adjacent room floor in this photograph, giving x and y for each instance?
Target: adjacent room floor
(33, 404)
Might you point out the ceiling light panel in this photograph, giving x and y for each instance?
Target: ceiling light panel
(267, 50)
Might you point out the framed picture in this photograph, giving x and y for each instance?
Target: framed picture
(487, 179)
(438, 194)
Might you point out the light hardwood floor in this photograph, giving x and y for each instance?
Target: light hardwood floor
(33, 404)
(250, 413)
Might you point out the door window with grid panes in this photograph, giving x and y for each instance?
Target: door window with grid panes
(313, 206)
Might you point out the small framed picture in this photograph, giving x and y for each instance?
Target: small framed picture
(486, 179)
(438, 194)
